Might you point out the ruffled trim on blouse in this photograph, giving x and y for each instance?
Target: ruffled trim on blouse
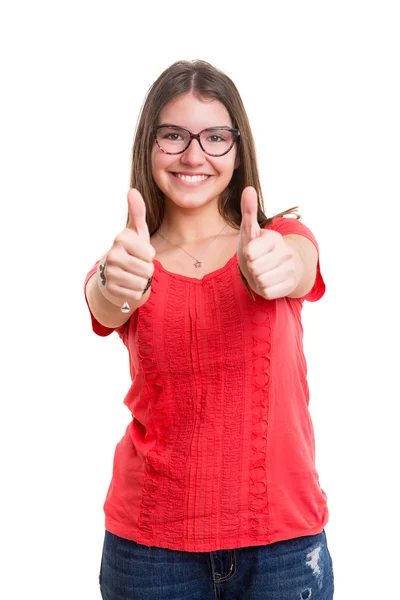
(258, 504)
(158, 416)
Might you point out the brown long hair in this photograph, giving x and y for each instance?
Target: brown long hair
(207, 82)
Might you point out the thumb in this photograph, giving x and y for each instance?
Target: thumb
(249, 228)
(137, 213)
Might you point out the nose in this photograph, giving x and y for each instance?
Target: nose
(193, 155)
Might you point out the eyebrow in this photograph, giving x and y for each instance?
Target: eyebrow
(183, 127)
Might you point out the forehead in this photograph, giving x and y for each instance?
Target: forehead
(195, 113)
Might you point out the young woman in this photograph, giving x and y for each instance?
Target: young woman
(214, 492)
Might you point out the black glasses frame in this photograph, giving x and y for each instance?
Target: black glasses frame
(196, 136)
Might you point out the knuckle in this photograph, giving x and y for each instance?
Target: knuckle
(266, 293)
(288, 252)
(119, 239)
(290, 268)
(150, 270)
(248, 254)
(113, 256)
(152, 253)
(110, 257)
(290, 257)
(253, 269)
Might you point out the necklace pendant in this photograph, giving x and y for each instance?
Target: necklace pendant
(197, 264)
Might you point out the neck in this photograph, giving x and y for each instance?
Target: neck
(187, 226)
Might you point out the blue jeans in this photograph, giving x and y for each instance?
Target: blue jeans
(296, 569)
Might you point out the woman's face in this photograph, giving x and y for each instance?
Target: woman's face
(196, 115)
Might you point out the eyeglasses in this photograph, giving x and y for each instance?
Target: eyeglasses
(214, 141)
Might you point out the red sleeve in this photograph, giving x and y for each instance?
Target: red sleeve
(290, 225)
(97, 327)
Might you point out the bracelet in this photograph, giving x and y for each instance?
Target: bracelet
(147, 285)
(246, 283)
(102, 274)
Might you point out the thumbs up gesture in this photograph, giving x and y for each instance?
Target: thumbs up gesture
(266, 261)
(129, 262)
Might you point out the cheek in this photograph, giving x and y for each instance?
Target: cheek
(158, 163)
(227, 167)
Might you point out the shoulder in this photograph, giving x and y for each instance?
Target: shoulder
(292, 226)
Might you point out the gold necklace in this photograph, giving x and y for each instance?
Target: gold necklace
(198, 263)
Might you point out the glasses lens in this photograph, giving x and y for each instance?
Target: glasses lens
(217, 141)
(172, 139)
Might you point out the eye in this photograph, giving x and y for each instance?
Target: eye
(174, 137)
(215, 138)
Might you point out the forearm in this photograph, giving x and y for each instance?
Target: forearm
(306, 259)
(105, 307)
(298, 275)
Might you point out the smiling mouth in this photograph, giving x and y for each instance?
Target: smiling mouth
(191, 178)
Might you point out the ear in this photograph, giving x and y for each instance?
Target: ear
(237, 162)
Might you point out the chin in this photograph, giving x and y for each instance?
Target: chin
(191, 200)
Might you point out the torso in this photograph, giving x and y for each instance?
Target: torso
(213, 257)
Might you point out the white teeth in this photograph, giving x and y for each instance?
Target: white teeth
(192, 179)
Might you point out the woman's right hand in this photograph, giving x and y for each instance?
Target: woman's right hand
(129, 262)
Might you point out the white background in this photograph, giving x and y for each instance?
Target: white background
(320, 81)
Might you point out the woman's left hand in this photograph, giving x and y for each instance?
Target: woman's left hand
(266, 261)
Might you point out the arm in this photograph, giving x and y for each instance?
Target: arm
(306, 258)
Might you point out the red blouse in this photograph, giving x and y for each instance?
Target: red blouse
(220, 450)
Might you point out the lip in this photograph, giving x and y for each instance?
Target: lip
(190, 173)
